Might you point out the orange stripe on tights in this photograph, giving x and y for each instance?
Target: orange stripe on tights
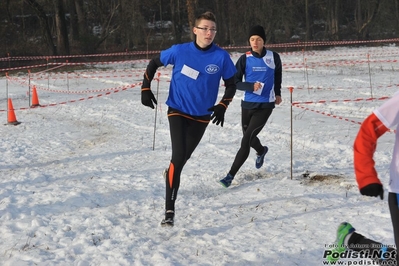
(170, 174)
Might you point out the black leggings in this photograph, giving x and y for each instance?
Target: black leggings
(359, 243)
(252, 121)
(185, 134)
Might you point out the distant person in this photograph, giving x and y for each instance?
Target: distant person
(263, 73)
(198, 67)
(374, 126)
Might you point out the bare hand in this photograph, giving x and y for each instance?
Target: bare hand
(278, 100)
(257, 86)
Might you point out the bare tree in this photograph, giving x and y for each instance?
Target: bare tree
(45, 26)
(176, 14)
(132, 24)
(240, 14)
(288, 17)
(74, 26)
(81, 14)
(333, 12)
(106, 13)
(191, 4)
(61, 28)
(365, 13)
(307, 18)
(115, 25)
(396, 3)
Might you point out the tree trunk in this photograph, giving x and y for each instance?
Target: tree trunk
(287, 17)
(333, 12)
(191, 15)
(365, 16)
(307, 18)
(74, 26)
(61, 28)
(44, 24)
(358, 15)
(396, 4)
(176, 20)
(81, 17)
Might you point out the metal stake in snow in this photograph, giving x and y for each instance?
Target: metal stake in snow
(67, 77)
(307, 74)
(371, 87)
(156, 111)
(48, 75)
(291, 90)
(28, 87)
(7, 89)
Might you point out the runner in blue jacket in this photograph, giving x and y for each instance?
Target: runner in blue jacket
(263, 73)
(198, 68)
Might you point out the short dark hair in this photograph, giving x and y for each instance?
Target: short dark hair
(208, 15)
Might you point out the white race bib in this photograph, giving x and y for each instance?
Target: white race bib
(189, 72)
(259, 92)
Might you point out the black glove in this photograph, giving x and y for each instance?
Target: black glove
(147, 97)
(218, 113)
(373, 190)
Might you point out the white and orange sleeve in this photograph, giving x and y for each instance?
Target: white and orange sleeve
(374, 126)
(364, 147)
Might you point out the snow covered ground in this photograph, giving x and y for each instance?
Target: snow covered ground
(81, 177)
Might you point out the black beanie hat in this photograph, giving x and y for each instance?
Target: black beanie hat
(257, 30)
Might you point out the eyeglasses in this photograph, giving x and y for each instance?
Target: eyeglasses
(206, 29)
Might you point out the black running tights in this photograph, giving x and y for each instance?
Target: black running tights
(252, 121)
(185, 136)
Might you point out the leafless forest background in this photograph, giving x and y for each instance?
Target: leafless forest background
(73, 27)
